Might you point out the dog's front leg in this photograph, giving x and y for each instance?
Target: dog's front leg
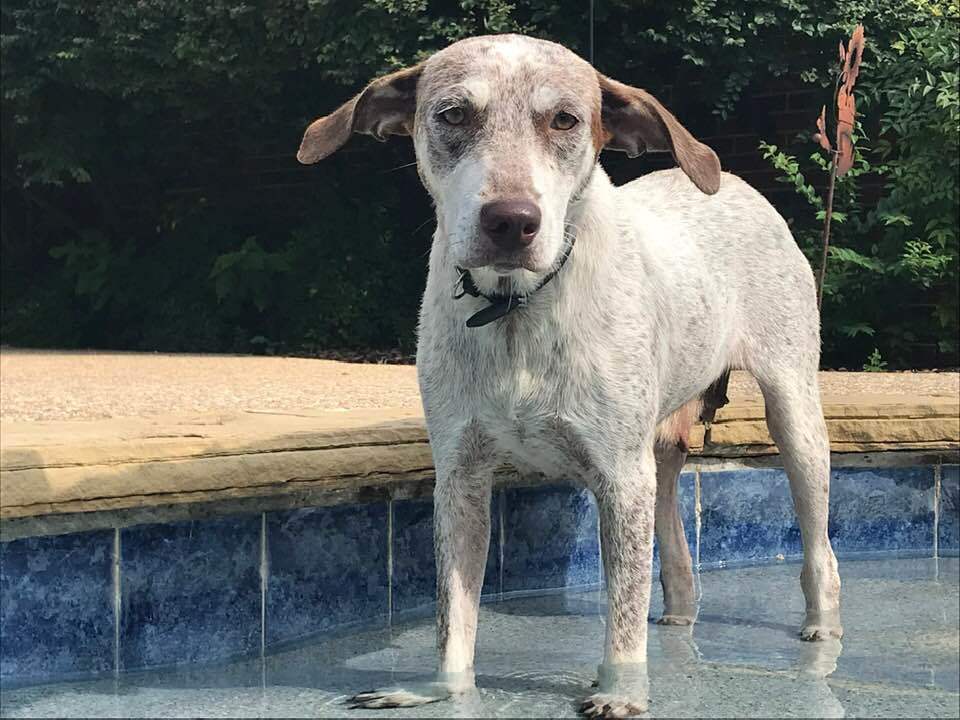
(461, 528)
(626, 501)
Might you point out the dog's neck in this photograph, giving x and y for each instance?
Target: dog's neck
(588, 222)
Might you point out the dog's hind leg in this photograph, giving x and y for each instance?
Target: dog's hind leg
(676, 570)
(796, 424)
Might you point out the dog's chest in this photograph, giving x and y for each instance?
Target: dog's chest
(534, 417)
(553, 446)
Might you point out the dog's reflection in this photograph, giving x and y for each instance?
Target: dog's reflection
(815, 662)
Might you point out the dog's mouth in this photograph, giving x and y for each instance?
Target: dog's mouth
(506, 262)
(501, 261)
(503, 266)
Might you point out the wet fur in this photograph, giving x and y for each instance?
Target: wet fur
(675, 278)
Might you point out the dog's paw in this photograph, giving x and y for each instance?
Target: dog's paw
(821, 626)
(442, 687)
(398, 697)
(675, 620)
(817, 633)
(622, 691)
(603, 705)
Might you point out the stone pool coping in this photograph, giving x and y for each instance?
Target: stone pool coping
(65, 476)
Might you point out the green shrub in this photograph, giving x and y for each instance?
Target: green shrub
(151, 199)
(892, 271)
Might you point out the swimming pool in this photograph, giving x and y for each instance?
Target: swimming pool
(537, 655)
(287, 612)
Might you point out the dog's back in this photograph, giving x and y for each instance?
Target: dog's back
(729, 266)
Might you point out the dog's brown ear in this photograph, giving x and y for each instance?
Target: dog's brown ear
(634, 121)
(385, 107)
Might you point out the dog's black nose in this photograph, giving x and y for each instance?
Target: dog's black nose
(510, 224)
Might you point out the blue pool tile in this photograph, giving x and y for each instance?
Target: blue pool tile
(949, 540)
(687, 497)
(56, 606)
(550, 538)
(190, 591)
(746, 515)
(414, 566)
(881, 509)
(327, 567)
(491, 578)
(414, 563)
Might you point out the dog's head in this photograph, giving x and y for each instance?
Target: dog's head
(507, 130)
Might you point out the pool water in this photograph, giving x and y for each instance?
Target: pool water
(536, 657)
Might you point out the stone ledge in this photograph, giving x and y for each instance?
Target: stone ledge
(71, 468)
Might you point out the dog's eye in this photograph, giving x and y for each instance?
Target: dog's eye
(563, 121)
(453, 116)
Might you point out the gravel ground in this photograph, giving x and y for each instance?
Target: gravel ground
(54, 385)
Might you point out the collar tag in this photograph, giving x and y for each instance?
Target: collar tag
(496, 310)
(458, 287)
(500, 305)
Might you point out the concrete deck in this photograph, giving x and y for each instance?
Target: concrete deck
(44, 385)
(96, 434)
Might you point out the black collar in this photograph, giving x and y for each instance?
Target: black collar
(500, 305)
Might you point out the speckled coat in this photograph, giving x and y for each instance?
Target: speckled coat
(673, 279)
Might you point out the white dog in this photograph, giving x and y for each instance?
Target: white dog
(571, 327)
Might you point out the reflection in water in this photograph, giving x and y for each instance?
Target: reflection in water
(681, 660)
(816, 662)
(538, 655)
(818, 659)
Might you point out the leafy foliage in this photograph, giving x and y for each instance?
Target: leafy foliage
(151, 199)
(875, 363)
(895, 232)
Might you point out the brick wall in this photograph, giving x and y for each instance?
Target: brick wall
(775, 116)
